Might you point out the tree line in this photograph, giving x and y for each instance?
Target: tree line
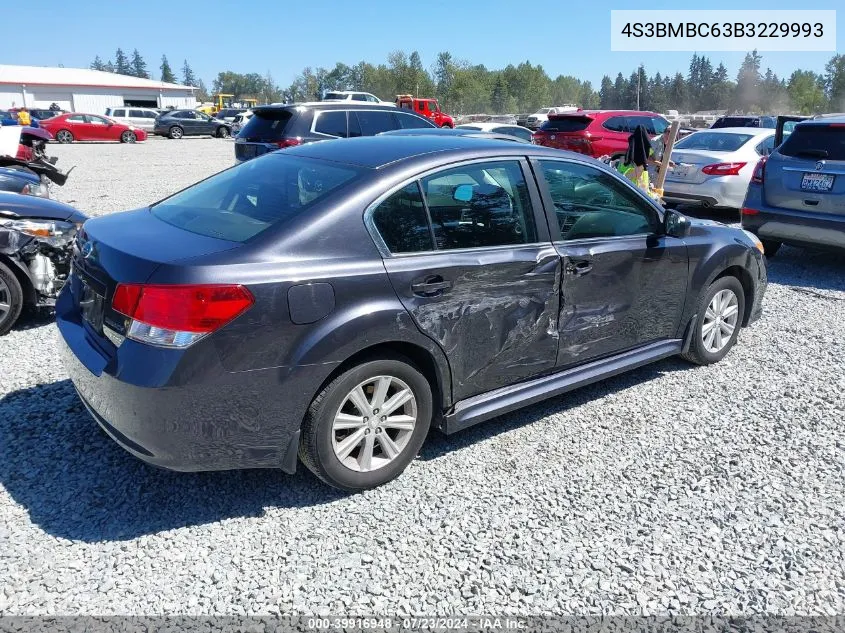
(462, 87)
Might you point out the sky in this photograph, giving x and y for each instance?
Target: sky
(283, 37)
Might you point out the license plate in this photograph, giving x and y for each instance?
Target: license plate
(91, 305)
(817, 182)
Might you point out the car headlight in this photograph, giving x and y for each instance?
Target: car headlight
(52, 232)
(755, 240)
(36, 189)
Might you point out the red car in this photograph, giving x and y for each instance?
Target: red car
(596, 132)
(429, 108)
(74, 126)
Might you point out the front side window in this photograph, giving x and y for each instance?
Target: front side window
(592, 203)
(241, 202)
(97, 120)
(478, 205)
(76, 118)
(119, 113)
(402, 222)
(331, 122)
(411, 122)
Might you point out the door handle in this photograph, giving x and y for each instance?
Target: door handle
(431, 286)
(579, 268)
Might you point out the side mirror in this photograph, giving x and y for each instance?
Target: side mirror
(463, 193)
(676, 224)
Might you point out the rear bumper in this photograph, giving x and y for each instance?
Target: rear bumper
(723, 191)
(799, 228)
(217, 420)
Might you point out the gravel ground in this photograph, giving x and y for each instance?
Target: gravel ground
(672, 489)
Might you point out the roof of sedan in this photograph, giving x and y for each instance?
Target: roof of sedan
(379, 151)
(753, 131)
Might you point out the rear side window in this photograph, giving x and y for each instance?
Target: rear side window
(566, 124)
(402, 222)
(816, 141)
(617, 124)
(714, 141)
(331, 122)
(246, 200)
(371, 123)
(137, 114)
(267, 125)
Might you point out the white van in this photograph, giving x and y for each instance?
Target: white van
(143, 118)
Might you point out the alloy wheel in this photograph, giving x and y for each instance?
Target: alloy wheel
(720, 320)
(374, 423)
(64, 136)
(5, 299)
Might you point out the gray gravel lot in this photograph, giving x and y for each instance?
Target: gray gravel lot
(672, 489)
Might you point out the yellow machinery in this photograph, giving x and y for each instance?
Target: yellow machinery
(219, 101)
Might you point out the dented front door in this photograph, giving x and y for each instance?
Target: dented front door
(493, 310)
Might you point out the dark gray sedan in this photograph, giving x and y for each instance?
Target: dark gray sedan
(179, 123)
(330, 302)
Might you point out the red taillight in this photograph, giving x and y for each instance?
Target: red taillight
(759, 174)
(747, 211)
(289, 142)
(723, 169)
(194, 308)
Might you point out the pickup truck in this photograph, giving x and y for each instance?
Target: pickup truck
(428, 108)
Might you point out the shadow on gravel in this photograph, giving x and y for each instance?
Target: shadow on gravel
(32, 318)
(807, 268)
(438, 444)
(76, 483)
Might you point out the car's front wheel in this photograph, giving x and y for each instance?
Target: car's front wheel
(716, 329)
(367, 425)
(11, 299)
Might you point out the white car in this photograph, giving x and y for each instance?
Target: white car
(499, 128)
(713, 167)
(351, 95)
(143, 118)
(240, 120)
(542, 115)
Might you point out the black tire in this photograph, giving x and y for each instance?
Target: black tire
(698, 352)
(11, 295)
(770, 248)
(176, 132)
(128, 137)
(64, 136)
(316, 445)
(223, 132)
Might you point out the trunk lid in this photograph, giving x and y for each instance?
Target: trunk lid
(689, 163)
(127, 248)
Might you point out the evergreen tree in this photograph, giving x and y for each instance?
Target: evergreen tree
(834, 82)
(748, 80)
(606, 93)
(620, 89)
(657, 94)
(167, 75)
(139, 66)
(109, 67)
(188, 77)
(121, 63)
(97, 64)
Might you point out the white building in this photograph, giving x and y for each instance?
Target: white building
(84, 90)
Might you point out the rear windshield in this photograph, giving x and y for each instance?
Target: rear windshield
(566, 124)
(816, 141)
(730, 121)
(267, 125)
(246, 200)
(714, 141)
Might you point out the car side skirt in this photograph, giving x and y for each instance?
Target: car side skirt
(482, 407)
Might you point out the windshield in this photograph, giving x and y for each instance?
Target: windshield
(816, 141)
(241, 202)
(714, 141)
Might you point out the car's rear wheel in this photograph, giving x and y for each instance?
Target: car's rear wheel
(176, 132)
(128, 137)
(223, 132)
(64, 136)
(770, 248)
(720, 311)
(11, 299)
(367, 425)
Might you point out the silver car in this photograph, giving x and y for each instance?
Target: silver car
(143, 118)
(713, 167)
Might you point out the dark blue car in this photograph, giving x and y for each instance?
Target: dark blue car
(330, 302)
